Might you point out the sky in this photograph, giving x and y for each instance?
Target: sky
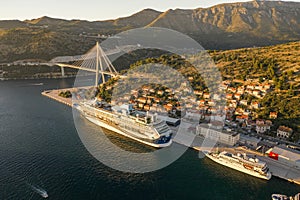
(93, 10)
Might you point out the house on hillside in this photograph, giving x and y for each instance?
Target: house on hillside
(142, 99)
(244, 102)
(160, 92)
(263, 126)
(237, 96)
(198, 92)
(229, 96)
(242, 118)
(284, 132)
(255, 105)
(273, 115)
(240, 90)
(206, 95)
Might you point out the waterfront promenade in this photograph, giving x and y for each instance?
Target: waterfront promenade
(277, 168)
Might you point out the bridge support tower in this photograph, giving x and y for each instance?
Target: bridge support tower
(62, 71)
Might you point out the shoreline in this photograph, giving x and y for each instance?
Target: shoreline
(37, 78)
(278, 169)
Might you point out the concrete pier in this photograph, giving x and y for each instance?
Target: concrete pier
(54, 94)
(276, 167)
(282, 170)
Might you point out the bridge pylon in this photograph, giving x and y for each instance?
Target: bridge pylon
(95, 60)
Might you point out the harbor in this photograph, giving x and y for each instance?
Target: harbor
(277, 168)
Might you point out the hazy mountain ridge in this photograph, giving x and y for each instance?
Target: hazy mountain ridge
(262, 19)
(224, 26)
(140, 19)
(9, 24)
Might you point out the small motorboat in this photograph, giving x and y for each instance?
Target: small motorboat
(40, 191)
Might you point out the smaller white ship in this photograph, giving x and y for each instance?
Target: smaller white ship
(284, 197)
(242, 163)
(279, 197)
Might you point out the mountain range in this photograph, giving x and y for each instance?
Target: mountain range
(224, 26)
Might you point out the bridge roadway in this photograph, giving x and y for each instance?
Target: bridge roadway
(118, 49)
(84, 68)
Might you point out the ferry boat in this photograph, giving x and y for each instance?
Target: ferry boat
(242, 163)
(142, 127)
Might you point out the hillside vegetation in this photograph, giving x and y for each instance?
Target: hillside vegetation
(279, 63)
(24, 43)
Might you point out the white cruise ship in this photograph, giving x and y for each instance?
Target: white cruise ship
(242, 163)
(124, 120)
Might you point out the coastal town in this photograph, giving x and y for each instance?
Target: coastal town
(240, 112)
(235, 129)
(234, 116)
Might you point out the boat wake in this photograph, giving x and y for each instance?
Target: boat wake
(37, 84)
(38, 190)
(31, 84)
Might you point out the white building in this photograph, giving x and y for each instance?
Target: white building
(244, 102)
(284, 132)
(263, 126)
(218, 134)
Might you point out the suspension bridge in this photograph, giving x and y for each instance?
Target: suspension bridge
(95, 60)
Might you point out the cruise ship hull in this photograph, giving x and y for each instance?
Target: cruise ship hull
(121, 132)
(238, 167)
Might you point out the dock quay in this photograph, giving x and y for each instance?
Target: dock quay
(54, 94)
(189, 139)
(277, 168)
